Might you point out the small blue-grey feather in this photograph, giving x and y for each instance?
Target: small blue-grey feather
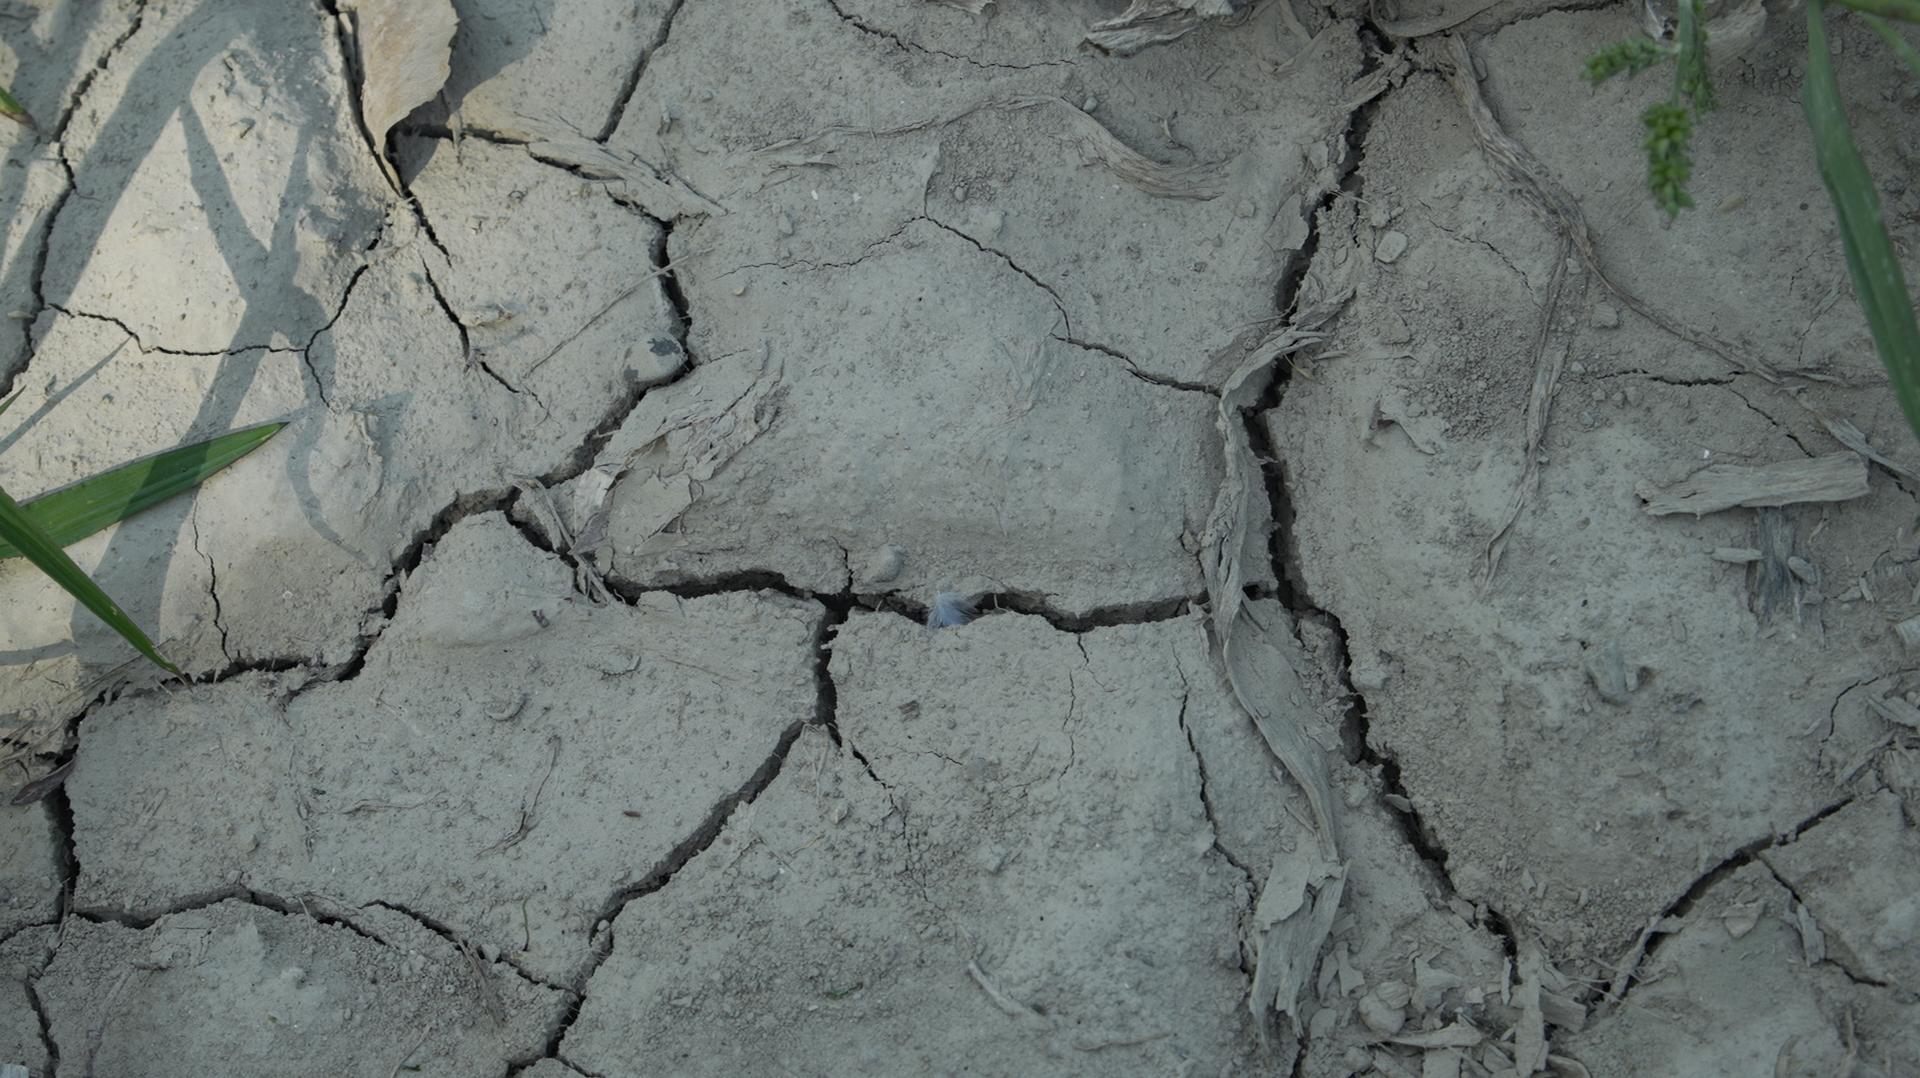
(950, 609)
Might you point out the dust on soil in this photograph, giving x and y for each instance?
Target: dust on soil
(560, 702)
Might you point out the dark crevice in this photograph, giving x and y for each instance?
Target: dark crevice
(1170, 383)
(696, 842)
(306, 353)
(663, 871)
(466, 343)
(1690, 898)
(459, 942)
(1670, 380)
(614, 187)
(50, 784)
(1290, 588)
(346, 296)
(517, 1071)
(45, 1023)
(915, 49)
(442, 132)
(235, 668)
(43, 251)
(826, 701)
(154, 349)
(1065, 318)
(339, 917)
(67, 857)
(296, 908)
(213, 582)
(57, 131)
(1357, 747)
(1774, 422)
(1150, 379)
(433, 236)
(691, 588)
(462, 507)
(583, 455)
(869, 249)
(214, 897)
(632, 83)
(56, 134)
(345, 39)
(1856, 978)
(1412, 827)
(1036, 604)
(670, 281)
(1526, 282)
(1206, 791)
(470, 504)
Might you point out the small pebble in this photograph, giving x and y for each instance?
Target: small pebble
(1392, 245)
(1383, 1020)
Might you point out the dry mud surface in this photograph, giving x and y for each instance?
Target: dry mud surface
(559, 698)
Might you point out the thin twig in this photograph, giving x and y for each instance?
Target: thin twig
(528, 808)
(617, 301)
(424, 1032)
(1516, 164)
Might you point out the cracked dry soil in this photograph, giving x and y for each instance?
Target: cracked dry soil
(559, 699)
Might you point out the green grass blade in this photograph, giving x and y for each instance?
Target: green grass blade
(1905, 10)
(11, 110)
(1899, 44)
(1870, 257)
(1692, 74)
(77, 510)
(24, 534)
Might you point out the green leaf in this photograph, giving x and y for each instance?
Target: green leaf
(1877, 279)
(1669, 130)
(1692, 78)
(11, 110)
(1904, 10)
(77, 510)
(1900, 46)
(38, 530)
(25, 534)
(1629, 57)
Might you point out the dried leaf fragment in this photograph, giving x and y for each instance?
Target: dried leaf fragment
(1460, 1034)
(660, 193)
(1813, 941)
(404, 47)
(1098, 146)
(1894, 709)
(1836, 477)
